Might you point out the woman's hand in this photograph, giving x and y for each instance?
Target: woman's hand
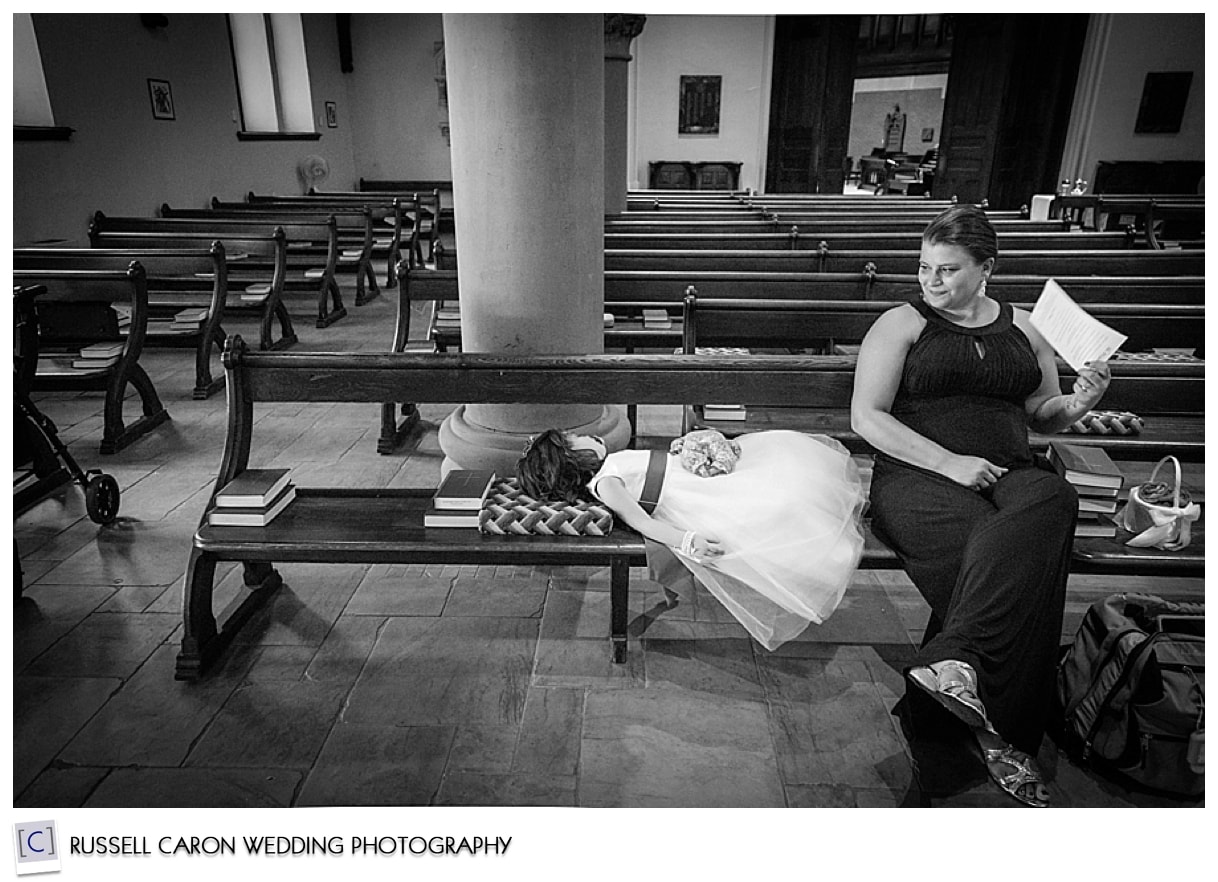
(1091, 384)
(973, 472)
(701, 546)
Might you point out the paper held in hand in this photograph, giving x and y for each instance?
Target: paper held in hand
(1076, 336)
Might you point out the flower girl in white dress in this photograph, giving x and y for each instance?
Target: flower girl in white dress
(777, 540)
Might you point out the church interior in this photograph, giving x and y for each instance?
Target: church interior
(383, 678)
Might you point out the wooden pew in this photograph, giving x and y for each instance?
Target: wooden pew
(307, 245)
(349, 525)
(795, 239)
(1169, 396)
(1121, 262)
(175, 280)
(77, 310)
(353, 227)
(811, 224)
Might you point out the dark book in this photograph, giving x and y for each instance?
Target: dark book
(463, 490)
(1084, 466)
(253, 488)
(1099, 528)
(256, 516)
(447, 517)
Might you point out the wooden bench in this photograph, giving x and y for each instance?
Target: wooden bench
(1169, 396)
(77, 310)
(795, 238)
(813, 224)
(349, 525)
(353, 227)
(311, 251)
(1063, 262)
(175, 279)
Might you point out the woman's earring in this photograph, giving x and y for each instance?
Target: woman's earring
(981, 288)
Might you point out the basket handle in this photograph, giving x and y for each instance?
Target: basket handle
(1155, 471)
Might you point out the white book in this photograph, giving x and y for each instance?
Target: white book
(190, 315)
(724, 412)
(102, 350)
(1075, 335)
(315, 272)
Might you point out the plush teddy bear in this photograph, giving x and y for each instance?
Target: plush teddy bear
(706, 452)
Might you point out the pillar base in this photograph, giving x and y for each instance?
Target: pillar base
(467, 445)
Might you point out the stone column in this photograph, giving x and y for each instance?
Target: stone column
(526, 109)
(619, 31)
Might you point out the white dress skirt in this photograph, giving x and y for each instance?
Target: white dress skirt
(787, 519)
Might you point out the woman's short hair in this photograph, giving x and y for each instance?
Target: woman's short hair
(550, 469)
(967, 227)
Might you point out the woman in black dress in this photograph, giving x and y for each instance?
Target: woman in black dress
(946, 388)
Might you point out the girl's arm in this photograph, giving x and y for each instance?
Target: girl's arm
(877, 377)
(613, 493)
(1049, 411)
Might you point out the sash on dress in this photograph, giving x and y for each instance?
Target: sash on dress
(662, 565)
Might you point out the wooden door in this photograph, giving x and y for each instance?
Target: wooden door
(1010, 89)
(810, 103)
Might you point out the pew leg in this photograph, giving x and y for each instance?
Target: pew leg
(329, 292)
(366, 287)
(394, 433)
(619, 595)
(205, 384)
(116, 435)
(287, 334)
(391, 271)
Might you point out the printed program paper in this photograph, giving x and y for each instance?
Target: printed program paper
(1076, 336)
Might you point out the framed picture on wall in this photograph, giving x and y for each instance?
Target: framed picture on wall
(161, 95)
(699, 105)
(331, 115)
(928, 135)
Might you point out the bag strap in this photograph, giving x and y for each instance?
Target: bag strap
(654, 482)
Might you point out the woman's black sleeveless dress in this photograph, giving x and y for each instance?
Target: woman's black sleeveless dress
(992, 565)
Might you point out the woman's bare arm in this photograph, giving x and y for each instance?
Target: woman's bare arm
(1049, 410)
(614, 494)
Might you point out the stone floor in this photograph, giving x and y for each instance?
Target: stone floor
(383, 685)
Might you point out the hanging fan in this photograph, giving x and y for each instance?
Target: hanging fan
(312, 170)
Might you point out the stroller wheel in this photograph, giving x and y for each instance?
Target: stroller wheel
(101, 499)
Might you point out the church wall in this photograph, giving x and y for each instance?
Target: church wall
(123, 161)
(734, 47)
(1177, 44)
(395, 99)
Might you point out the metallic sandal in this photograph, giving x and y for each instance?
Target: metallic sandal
(1015, 783)
(957, 693)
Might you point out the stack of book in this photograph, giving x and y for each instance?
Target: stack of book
(189, 319)
(255, 293)
(657, 318)
(1097, 480)
(448, 317)
(98, 356)
(458, 500)
(124, 316)
(252, 499)
(717, 412)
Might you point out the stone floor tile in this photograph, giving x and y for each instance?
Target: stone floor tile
(491, 596)
(484, 748)
(723, 666)
(550, 732)
(839, 796)
(47, 713)
(515, 789)
(305, 607)
(61, 787)
(130, 552)
(153, 719)
(139, 598)
(270, 725)
(346, 648)
(151, 788)
(389, 592)
(105, 645)
(427, 671)
(670, 747)
(378, 765)
(574, 650)
(281, 663)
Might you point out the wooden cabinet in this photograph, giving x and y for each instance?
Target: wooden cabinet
(663, 175)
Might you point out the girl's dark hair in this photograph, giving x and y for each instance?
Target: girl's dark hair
(967, 227)
(550, 469)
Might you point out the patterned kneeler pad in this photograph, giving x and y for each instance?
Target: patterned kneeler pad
(509, 510)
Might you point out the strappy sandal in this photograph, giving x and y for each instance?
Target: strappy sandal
(954, 685)
(1020, 783)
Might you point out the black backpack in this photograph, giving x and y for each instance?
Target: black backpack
(1131, 693)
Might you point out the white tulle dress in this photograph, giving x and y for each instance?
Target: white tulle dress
(787, 518)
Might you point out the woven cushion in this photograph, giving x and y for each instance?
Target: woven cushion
(508, 509)
(1107, 422)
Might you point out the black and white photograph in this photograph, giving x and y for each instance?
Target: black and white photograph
(622, 411)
